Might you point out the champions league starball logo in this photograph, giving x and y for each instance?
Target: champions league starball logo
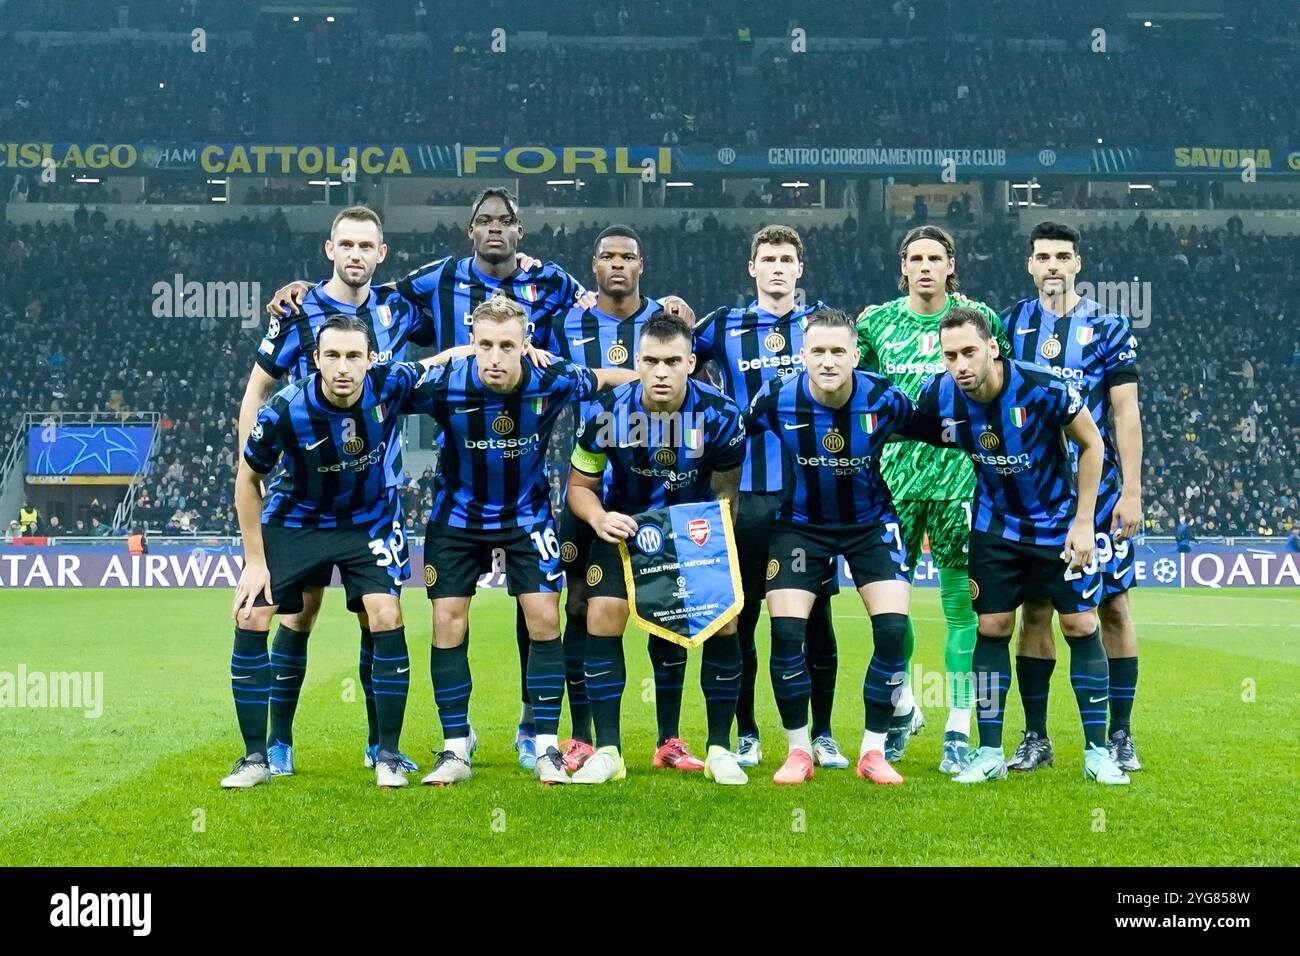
(1165, 571)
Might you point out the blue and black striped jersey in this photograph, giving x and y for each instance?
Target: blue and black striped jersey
(492, 473)
(832, 455)
(751, 345)
(662, 459)
(450, 289)
(1090, 349)
(341, 465)
(1024, 482)
(290, 341)
(595, 339)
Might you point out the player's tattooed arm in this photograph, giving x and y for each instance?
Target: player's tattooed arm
(1128, 439)
(1080, 541)
(725, 486)
(288, 298)
(584, 499)
(256, 392)
(254, 579)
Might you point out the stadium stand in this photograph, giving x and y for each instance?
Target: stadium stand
(1220, 360)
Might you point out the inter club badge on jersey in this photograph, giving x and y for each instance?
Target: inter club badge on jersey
(683, 579)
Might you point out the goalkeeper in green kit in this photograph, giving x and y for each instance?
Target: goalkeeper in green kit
(931, 487)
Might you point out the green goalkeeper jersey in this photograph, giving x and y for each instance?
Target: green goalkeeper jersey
(904, 347)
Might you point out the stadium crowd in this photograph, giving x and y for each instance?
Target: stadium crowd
(989, 94)
(1220, 356)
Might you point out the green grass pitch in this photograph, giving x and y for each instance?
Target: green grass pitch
(1215, 723)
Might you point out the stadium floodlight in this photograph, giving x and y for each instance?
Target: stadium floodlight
(796, 185)
(679, 184)
(559, 182)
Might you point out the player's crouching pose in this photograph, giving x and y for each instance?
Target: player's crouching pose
(667, 440)
(334, 504)
(496, 413)
(1011, 418)
(833, 423)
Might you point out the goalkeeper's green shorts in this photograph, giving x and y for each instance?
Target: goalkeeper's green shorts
(948, 525)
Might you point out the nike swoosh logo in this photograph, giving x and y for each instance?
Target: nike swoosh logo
(1095, 700)
(285, 677)
(582, 341)
(675, 664)
(1089, 593)
(463, 285)
(245, 677)
(402, 670)
(894, 683)
(790, 428)
(316, 444)
(1026, 331)
(737, 677)
(601, 674)
(734, 332)
(555, 577)
(466, 411)
(891, 346)
(543, 699)
(790, 676)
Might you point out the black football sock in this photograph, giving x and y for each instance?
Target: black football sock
(449, 668)
(1034, 675)
(788, 668)
(521, 641)
(250, 685)
(887, 670)
(823, 665)
(606, 675)
(669, 661)
(720, 681)
(746, 624)
(1090, 678)
(575, 650)
(364, 668)
(288, 668)
(991, 664)
(546, 683)
(1123, 685)
(392, 680)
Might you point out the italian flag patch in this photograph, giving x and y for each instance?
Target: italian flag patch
(538, 405)
(378, 412)
(1084, 334)
(1019, 416)
(528, 293)
(695, 438)
(868, 422)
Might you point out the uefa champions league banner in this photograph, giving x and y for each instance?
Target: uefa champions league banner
(108, 565)
(682, 574)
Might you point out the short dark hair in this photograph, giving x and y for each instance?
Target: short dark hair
(1047, 229)
(776, 235)
(961, 315)
(830, 319)
(500, 192)
(618, 230)
(341, 322)
(665, 328)
(359, 214)
(940, 236)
